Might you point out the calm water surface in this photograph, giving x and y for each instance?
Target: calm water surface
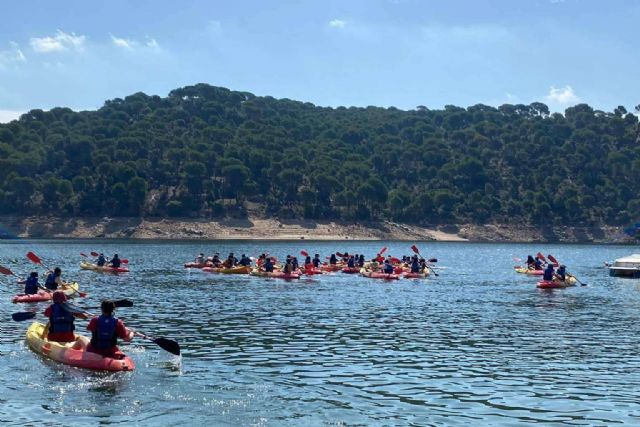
(478, 345)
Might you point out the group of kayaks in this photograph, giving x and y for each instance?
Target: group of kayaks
(555, 283)
(72, 353)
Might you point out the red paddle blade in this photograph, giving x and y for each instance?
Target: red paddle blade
(304, 253)
(34, 258)
(94, 253)
(395, 260)
(383, 250)
(340, 254)
(83, 254)
(5, 270)
(553, 260)
(414, 248)
(124, 261)
(539, 255)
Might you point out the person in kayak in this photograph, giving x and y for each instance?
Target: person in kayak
(31, 285)
(537, 265)
(294, 263)
(101, 261)
(307, 262)
(215, 261)
(288, 266)
(200, 259)
(105, 331)
(561, 273)
(531, 263)
(316, 260)
(115, 261)
(61, 327)
(231, 261)
(548, 273)
(245, 261)
(388, 268)
(361, 261)
(333, 260)
(268, 265)
(54, 279)
(415, 265)
(352, 262)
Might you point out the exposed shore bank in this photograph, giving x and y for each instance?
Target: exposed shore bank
(272, 229)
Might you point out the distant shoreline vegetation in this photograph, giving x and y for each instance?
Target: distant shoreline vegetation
(208, 152)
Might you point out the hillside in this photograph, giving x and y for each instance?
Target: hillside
(208, 152)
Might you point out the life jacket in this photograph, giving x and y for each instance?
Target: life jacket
(548, 274)
(415, 267)
(104, 337)
(351, 263)
(268, 267)
(60, 320)
(31, 285)
(562, 273)
(388, 268)
(115, 262)
(538, 264)
(316, 262)
(333, 260)
(101, 261)
(50, 283)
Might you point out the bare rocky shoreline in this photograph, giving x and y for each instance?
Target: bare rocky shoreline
(273, 229)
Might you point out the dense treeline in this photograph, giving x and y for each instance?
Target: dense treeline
(209, 152)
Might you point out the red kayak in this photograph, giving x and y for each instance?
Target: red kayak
(331, 267)
(378, 275)
(71, 289)
(311, 271)
(351, 270)
(555, 284)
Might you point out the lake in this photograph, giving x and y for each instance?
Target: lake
(478, 345)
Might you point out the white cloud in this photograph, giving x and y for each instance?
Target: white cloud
(59, 42)
(337, 23)
(562, 96)
(8, 115)
(130, 44)
(12, 55)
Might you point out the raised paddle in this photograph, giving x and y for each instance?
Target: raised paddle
(36, 260)
(6, 271)
(415, 249)
(94, 253)
(304, 253)
(553, 260)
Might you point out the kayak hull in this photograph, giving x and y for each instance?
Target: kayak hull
(331, 267)
(416, 275)
(529, 272)
(70, 289)
(102, 269)
(312, 271)
(351, 270)
(221, 270)
(556, 284)
(194, 265)
(378, 275)
(73, 353)
(275, 274)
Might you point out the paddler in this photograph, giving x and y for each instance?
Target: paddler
(561, 273)
(316, 260)
(31, 285)
(333, 260)
(101, 261)
(105, 331)
(115, 261)
(361, 261)
(537, 264)
(54, 279)
(268, 265)
(388, 268)
(415, 265)
(244, 261)
(352, 262)
(531, 263)
(61, 327)
(200, 259)
(548, 273)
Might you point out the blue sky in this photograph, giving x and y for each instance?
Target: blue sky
(400, 53)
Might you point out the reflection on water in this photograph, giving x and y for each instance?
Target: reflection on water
(479, 344)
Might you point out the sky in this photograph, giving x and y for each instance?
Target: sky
(400, 53)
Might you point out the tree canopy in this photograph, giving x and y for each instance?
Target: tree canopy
(206, 151)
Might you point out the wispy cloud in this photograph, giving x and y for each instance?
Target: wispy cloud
(562, 96)
(59, 42)
(11, 56)
(131, 44)
(337, 23)
(9, 115)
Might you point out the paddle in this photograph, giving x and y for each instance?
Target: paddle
(414, 248)
(6, 271)
(26, 315)
(577, 280)
(304, 253)
(553, 260)
(36, 260)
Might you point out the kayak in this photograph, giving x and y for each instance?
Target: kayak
(194, 265)
(410, 275)
(311, 271)
(73, 353)
(70, 289)
(275, 274)
(211, 269)
(103, 269)
(531, 272)
(379, 275)
(236, 270)
(557, 284)
(351, 270)
(331, 267)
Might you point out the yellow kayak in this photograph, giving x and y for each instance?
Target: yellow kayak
(73, 353)
(102, 269)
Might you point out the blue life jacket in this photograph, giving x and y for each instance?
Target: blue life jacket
(101, 261)
(31, 286)
(548, 274)
(562, 273)
(50, 283)
(316, 262)
(115, 262)
(104, 336)
(60, 320)
(538, 265)
(361, 262)
(333, 259)
(415, 267)
(388, 268)
(351, 263)
(268, 267)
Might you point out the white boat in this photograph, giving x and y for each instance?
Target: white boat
(628, 266)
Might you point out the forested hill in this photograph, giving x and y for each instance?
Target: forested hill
(206, 151)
